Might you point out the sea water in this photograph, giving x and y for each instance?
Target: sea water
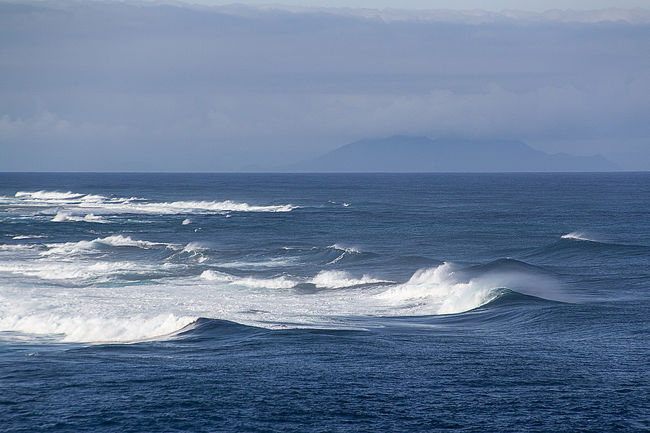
(329, 302)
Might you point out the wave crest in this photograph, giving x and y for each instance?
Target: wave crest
(340, 279)
(578, 236)
(96, 329)
(439, 291)
(121, 205)
(281, 282)
(85, 246)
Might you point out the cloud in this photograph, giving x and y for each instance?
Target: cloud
(197, 88)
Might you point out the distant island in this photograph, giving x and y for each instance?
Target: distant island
(402, 153)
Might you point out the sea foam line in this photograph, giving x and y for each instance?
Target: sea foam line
(101, 204)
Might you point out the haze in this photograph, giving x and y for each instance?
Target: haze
(124, 86)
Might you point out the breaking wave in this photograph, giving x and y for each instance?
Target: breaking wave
(78, 328)
(578, 236)
(340, 279)
(62, 216)
(98, 204)
(439, 291)
(71, 248)
(281, 282)
(21, 237)
(117, 288)
(48, 195)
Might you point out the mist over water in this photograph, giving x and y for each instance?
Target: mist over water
(538, 268)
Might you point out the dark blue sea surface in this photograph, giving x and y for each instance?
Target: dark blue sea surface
(325, 303)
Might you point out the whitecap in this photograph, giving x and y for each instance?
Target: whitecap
(340, 279)
(100, 204)
(80, 328)
(85, 246)
(48, 195)
(281, 282)
(63, 216)
(439, 291)
(578, 236)
(344, 251)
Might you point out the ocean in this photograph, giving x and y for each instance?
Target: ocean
(324, 302)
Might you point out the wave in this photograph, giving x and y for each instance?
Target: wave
(62, 216)
(79, 299)
(503, 266)
(448, 289)
(85, 246)
(341, 279)
(206, 329)
(77, 273)
(281, 282)
(99, 204)
(438, 291)
(21, 237)
(189, 207)
(270, 263)
(195, 247)
(578, 236)
(578, 246)
(79, 328)
(349, 250)
(18, 247)
(48, 195)
(589, 239)
(343, 252)
(323, 280)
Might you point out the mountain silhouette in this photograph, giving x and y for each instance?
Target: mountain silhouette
(421, 154)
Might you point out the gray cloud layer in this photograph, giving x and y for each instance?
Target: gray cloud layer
(119, 86)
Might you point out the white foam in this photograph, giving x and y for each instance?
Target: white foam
(186, 221)
(48, 195)
(96, 329)
(266, 283)
(18, 247)
(438, 291)
(578, 236)
(349, 250)
(92, 218)
(77, 271)
(19, 237)
(344, 251)
(85, 246)
(62, 216)
(211, 275)
(183, 207)
(98, 204)
(340, 279)
(86, 297)
(194, 247)
(281, 282)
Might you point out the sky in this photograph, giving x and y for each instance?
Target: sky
(150, 86)
(491, 5)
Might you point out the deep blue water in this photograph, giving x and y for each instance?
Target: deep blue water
(241, 302)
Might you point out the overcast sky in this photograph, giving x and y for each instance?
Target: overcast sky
(492, 5)
(151, 87)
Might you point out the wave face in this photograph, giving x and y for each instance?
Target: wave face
(129, 258)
